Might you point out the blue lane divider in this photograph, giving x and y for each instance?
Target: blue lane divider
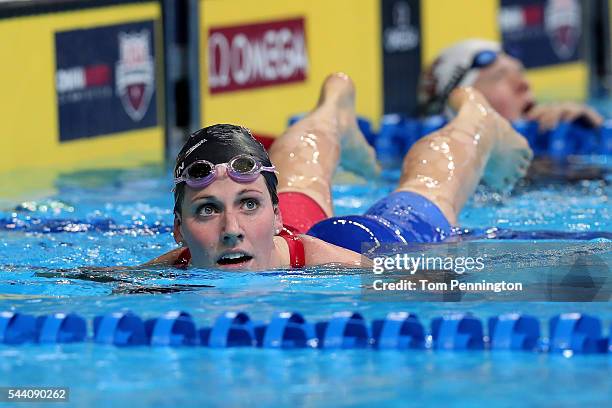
(398, 331)
(397, 133)
(457, 332)
(344, 330)
(576, 332)
(230, 330)
(172, 329)
(568, 332)
(514, 331)
(17, 328)
(288, 330)
(561, 142)
(120, 329)
(390, 142)
(366, 128)
(61, 328)
(529, 129)
(605, 144)
(61, 225)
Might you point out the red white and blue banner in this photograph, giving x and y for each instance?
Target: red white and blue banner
(105, 80)
(541, 32)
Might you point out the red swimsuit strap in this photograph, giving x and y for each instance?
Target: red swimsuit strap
(183, 259)
(297, 256)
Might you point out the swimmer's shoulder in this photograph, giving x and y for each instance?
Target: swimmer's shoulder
(319, 252)
(168, 259)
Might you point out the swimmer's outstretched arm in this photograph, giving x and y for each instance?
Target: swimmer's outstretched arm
(307, 154)
(549, 115)
(447, 165)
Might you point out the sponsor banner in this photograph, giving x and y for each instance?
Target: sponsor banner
(105, 80)
(401, 46)
(256, 55)
(541, 32)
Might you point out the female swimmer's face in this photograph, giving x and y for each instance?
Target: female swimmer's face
(229, 225)
(504, 85)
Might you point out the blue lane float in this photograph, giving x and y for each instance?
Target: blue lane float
(577, 333)
(513, 331)
(571, 333)
(288, 331)
(172, 329)
(397, 134)
(231, 329)
(457, 332)
(119, 329)
(61, 328)
(399, 330)
(344, 330)
(17, 328)
(606, 138)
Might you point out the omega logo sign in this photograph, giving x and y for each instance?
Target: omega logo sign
(256, 55)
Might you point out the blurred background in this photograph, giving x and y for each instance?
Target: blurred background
(120, 83)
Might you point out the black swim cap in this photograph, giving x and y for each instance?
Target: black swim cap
(219, 144)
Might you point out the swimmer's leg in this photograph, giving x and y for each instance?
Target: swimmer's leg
(307, 154)
(446, 166)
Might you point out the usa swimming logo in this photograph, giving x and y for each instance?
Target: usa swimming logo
(135, 73)
(562, 22)
(105, 80)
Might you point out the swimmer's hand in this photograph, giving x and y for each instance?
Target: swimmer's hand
(550, 115)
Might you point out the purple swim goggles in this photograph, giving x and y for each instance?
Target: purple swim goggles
(242, 169)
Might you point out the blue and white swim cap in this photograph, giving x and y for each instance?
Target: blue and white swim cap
(436, 78)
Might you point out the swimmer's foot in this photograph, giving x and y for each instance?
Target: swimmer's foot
(357, 156)
(510, 153)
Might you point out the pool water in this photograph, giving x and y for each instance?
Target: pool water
(124, 217)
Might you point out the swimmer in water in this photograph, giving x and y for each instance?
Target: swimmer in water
(500, 78)
(238, 208)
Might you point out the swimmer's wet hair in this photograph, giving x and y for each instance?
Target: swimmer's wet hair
(219, 144)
